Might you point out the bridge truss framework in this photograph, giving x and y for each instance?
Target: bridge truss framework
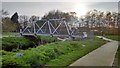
(53, 31)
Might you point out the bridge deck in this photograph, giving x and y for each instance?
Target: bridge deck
(57, 35)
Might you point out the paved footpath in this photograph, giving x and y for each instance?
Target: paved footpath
(103, 56)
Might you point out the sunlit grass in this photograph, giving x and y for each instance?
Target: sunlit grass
(113, 37)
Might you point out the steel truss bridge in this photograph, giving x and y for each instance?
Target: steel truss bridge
(50, 27)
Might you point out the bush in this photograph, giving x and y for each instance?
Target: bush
(6, 53)
(42, 55)
(9, 62)
(33, 60)
(16, 43)
(46, 39)
(10, 43)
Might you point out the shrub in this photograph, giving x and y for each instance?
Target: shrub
(46, 39)
(33, 60)
(41, 55)
(9, 61)
(10, 43)
(6, 53)
(16, 43)
(51, 51)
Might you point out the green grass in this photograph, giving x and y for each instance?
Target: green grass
(9, 34)
(13, 43)
(10, 43)
(113, 37)
(67, 59)
(47, 39)
(52, 54)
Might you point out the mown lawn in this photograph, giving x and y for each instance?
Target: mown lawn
(51, 54)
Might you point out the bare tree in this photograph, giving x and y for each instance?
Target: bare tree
(23, 20)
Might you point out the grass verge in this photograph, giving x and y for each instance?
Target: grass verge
(113, 37)
(67, 59)
(52, 54)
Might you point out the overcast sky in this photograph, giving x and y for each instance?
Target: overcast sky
(60, 0)
(41, 8)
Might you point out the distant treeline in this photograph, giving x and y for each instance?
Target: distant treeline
(99, 22)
